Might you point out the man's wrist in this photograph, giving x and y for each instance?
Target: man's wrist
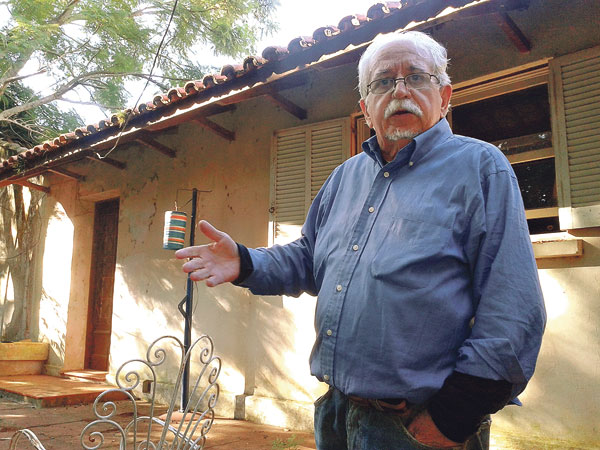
(246, 266)
(464, 401)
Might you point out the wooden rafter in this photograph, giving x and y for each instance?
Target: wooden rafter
(513, 32)
(31, 185)
(216, 128)
(67, 174)
(155, 145)
(109, 161)
(288, 105)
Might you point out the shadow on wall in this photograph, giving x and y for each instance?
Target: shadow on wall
(562, 398)
(262, 340)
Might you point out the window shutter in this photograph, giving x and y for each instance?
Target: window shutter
(289, 185)
(303, 158)
(575, 99)
(326, 150)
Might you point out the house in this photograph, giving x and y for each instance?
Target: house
(257, 140)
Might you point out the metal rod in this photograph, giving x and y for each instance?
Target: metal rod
(187, 337)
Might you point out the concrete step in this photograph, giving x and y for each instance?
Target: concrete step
(44, 391)
(95, 376)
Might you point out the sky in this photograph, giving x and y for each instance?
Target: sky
(295, 17)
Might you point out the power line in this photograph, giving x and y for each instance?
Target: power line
(156, 58)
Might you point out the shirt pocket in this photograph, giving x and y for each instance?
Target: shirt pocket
(410, 253)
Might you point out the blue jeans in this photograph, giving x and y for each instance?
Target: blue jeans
(341, 424)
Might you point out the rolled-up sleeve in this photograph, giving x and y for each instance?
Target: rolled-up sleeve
(509, 308)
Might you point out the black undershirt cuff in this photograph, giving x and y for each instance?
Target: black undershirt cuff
(464, 401)
(246, 266)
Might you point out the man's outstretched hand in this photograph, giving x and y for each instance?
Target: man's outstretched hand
(217, 262)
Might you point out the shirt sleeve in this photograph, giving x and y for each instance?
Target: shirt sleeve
(509, 309)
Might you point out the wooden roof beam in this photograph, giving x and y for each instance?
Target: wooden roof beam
(289, 106)
(513, 32)
(67, 174)
(155, 145)
(31, 185)
(215, 128)
(111, 162)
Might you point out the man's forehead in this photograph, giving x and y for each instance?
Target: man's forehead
(400, 55)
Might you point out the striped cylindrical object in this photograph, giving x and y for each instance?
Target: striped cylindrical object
(175, 223)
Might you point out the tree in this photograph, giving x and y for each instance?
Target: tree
(93, 48)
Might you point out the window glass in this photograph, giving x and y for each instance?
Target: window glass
(506, 116)
(536, 180)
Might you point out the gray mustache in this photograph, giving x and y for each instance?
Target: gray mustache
(402, 105)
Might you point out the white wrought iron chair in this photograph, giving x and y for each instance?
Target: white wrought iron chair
(186, 431)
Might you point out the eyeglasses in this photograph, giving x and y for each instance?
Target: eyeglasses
(420, 80)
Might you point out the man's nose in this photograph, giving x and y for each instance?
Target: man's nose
(400, 90)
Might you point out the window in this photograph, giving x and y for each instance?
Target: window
(302, 159)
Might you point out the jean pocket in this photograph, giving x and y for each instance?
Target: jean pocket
(417, 445)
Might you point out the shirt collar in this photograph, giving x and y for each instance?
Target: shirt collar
(416, 150)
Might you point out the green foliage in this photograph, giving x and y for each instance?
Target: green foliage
(291, 443)
(99, 46)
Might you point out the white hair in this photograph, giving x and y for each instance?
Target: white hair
(436, 51)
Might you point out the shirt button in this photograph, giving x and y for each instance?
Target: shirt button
(329, 332)
(355, 247)
(338, 288)
(326, 377)
(386, 174)
(371, 209)
(410, 164)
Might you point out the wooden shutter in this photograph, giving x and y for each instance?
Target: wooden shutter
(575, 99)
(302, 159)
(289, 185)
(326, 153)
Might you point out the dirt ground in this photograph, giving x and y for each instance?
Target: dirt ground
(59, 428)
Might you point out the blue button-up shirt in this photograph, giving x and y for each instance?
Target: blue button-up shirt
(422, 266)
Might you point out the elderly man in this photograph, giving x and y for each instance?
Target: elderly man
(429, 314)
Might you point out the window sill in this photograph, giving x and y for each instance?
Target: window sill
(556, 245)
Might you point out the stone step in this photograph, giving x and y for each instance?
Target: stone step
(96, 376)
(44, 391)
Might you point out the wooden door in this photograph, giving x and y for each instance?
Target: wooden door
(102, 280)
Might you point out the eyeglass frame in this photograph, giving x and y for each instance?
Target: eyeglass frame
(396, 80)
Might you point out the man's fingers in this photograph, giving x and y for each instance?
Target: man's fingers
(189, 252)
(200, 274)
(209, 231)
(214, 280)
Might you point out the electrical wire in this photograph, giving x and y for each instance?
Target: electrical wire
(156, 58)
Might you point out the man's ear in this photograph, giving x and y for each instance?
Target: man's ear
(363, 107)
(446, 93)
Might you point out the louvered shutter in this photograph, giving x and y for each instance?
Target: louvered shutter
(289, 185)
(326, 153)
(575, 84)
(303, 158)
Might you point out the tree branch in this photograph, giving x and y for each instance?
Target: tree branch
(6, 81)
(63, 17)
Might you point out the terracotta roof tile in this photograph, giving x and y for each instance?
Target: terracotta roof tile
(324, 33)
(252, 63)
(231, 71)
(274, 53)
(300, 43)
(192, 87)
(350, 22)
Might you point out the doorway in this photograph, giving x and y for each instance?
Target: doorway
(102, 281)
